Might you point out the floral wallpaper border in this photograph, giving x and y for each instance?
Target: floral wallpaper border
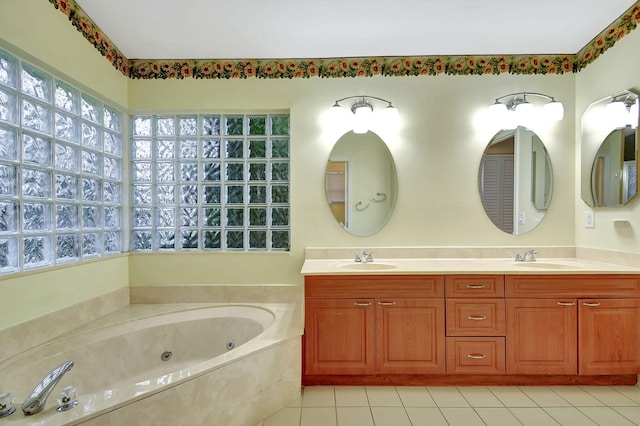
(348, 67)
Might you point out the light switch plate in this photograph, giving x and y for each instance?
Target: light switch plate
(589, 219)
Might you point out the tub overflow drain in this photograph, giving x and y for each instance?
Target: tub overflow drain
(231, 344)
(166, 355)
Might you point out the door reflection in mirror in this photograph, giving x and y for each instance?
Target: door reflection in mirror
(515, 180)
(614, 176)
(360, 183)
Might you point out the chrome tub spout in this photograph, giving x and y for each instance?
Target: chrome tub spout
(38, 397)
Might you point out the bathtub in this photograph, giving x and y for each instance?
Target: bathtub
(168, 364)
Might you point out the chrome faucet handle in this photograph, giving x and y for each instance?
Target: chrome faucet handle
(358, 258)
(530, 256)
(369, 255)
(519, 257)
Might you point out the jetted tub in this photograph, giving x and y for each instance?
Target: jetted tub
(169, 364)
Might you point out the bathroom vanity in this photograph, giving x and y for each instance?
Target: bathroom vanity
(567, 322)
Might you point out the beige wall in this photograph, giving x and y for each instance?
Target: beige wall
(39, 33)
(617, 69)
(436, 147)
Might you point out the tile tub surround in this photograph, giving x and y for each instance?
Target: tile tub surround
(217, 380)
(29, 334)
(214, 293)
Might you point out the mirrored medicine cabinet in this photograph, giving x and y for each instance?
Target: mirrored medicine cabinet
(609, 151)
(515, 180)
(361, 183)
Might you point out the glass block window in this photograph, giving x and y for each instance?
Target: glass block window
(60, 171)
(210, 182)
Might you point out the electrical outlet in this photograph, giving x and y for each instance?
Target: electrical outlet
(589, 219)
(521, 218)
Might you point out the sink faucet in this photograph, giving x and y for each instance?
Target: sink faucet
(529, 256)
(364, 257)
(38, 397)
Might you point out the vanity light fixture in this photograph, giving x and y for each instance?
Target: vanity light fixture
(623, 109)
(515, 108)
(362, 110)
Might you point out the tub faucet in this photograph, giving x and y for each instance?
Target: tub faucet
(529, 256)
(38, 397)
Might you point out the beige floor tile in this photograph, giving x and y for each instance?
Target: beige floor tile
(318, 396)
(497, 416)
(383, 396)
(447, 396)
(478, 396)
(512, 396)
(285, 417)
(530, 416)
(352, 416)
(318, 416)
(569, 416)
(609, 396)
(351, 396)
(544, 396)
(390, 416)
(576, 396)
(631, 392)
(415, 396)
(425, 416)
(631, 413)
(461, 416)
(605, 416)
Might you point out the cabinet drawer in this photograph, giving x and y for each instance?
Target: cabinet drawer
(474, 286)
(575, 286)
(374, 286)
(472, 317)
(475, 355)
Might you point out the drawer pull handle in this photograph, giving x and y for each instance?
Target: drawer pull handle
(594, 304)
(566, 303)
(482, 318)
(475, 285)
(479, 356)
(362, 304)
(386, 303)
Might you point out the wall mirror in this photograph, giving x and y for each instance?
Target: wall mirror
(515, 180)
(361, 183)
(609, 151)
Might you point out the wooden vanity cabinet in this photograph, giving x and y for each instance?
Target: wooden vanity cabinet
(366, 325)
(475, 328)
(573, 324)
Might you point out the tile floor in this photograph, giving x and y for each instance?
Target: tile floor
(461, 406)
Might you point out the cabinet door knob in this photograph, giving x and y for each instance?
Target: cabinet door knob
(386, 303)
(566, 303)
(476, 356)
(362, 304)
(481, 318)
(592, 304)
(475, 285)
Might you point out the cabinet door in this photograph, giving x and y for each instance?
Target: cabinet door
(542, 336)
(608, 336)
(339, 336)
(410, 336)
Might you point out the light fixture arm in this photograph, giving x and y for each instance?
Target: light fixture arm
(362, 98)
(517, 100)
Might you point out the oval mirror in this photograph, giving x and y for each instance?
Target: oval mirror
(609, 151)
(515, 180)
(360, 183)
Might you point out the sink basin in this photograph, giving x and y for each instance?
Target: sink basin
(544, 265)
(369, 266)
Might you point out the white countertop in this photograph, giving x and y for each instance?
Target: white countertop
(394, 266)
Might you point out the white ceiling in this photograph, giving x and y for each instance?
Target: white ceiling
(259, 29)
